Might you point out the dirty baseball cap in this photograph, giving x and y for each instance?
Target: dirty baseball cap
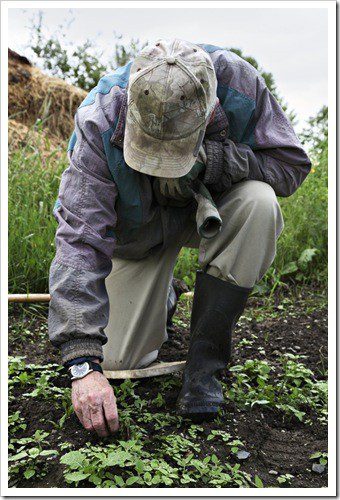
(171, 95)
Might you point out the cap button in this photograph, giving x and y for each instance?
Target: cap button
(170, 60)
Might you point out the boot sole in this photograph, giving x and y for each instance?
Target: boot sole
(199, 413)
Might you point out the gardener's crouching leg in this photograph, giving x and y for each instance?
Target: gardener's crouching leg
(232, 263)
(246, 246)
(138, 291)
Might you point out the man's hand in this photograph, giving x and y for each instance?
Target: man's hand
(94, 402)
(178, 190)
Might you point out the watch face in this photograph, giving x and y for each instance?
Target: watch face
(80, 371)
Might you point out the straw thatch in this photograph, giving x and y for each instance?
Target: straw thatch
(33, 139)
(37, 99)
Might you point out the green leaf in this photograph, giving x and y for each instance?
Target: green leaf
(289, 268)
(34, 452)
(147, 477)
(75, 477)
(318, 454)
(29, 473)
(131, 480)
(18, 456)
(46, 453)
(73, 459)
(306, 257)
(95, 479)
(260, 402)
(258, 482)
(119, 481)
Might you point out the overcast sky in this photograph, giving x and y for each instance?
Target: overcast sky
(290, 43)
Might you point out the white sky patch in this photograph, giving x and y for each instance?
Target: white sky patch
(290, 43)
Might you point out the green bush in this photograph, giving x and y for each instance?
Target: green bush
(305, 216)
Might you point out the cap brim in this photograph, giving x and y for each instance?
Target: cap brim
(160, 158)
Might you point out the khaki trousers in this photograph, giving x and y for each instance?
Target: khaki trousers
(138, 289)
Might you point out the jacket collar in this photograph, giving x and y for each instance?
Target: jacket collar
(218, 123)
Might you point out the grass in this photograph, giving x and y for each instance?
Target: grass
(33, 187)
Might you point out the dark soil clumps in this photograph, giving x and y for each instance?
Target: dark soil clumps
(278, 444)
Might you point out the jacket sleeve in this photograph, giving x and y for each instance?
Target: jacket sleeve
(273, 153)
(85, 212)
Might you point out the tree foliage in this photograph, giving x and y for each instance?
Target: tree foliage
(84, 65)
(315, 134)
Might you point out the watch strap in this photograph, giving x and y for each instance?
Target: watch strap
(95, 366)
(80, 360)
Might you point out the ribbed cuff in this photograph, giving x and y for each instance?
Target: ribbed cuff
(77, 348)
(214, 165)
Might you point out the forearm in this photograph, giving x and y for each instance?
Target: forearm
(79, 310)
(284, 169)
(79, 306)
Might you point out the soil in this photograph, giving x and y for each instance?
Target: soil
(276, 443)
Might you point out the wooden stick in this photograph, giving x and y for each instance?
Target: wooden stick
(29, 297)
(46, 297)
(154, 370)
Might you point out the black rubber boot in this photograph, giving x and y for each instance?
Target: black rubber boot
(216, 309)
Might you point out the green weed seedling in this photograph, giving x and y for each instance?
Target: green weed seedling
(289, 387)
(31, 457)
(285, 480)
(16, 423)
(67, 406)
(320, 457)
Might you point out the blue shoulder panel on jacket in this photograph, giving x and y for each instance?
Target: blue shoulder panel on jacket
(239, 109)
(126, 180)
(72, 141)
(209, 48)
(120, 77)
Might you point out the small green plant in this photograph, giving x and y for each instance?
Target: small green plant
(16, 423)
(290, 388)
(31, 457)
(320, 457)
(285, 480)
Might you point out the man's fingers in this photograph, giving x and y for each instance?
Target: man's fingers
(77, 409)
(86, 419)
(111, 414)
(89, 396)
(98, 421)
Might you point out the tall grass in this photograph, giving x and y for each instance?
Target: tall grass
(33, 187)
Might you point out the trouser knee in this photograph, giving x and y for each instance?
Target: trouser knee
(264, 209)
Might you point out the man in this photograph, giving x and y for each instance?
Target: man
(181, 130)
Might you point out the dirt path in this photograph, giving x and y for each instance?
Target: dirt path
(288, 337)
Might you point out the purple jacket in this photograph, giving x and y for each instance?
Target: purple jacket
(250, 137)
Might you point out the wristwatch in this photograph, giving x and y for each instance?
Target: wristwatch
(81, 370)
